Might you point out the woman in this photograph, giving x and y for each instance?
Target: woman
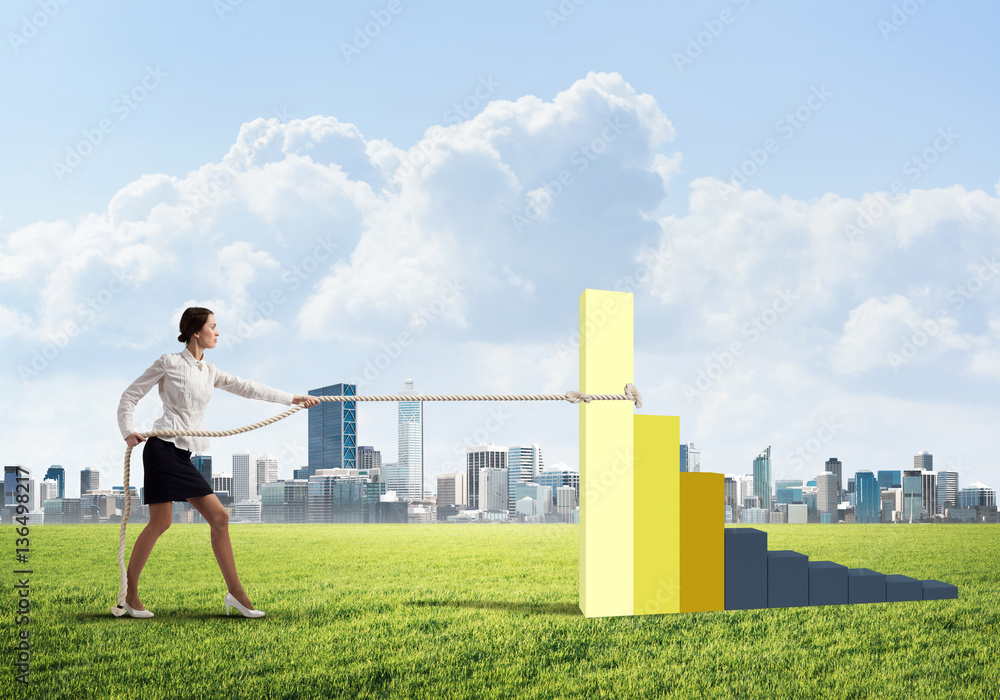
(185, 382)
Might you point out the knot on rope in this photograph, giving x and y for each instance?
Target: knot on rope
(577, 396)
(633, 393)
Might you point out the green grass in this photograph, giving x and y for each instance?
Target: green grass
(460, 611)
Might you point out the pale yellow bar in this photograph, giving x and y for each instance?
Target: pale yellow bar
(703, 532)
(657, 515)
(606, 510)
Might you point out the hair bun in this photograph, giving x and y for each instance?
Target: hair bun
(181, 338)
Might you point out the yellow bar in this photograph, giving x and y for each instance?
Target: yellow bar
(703, 555)
(657, 515)
(606, 334)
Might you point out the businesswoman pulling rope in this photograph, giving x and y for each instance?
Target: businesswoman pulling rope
(186, 381)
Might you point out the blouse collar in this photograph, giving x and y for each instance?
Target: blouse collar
(186, 354)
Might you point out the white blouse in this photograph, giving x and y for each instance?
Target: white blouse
(185, 389)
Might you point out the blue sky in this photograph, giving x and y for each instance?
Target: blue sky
(828, 170)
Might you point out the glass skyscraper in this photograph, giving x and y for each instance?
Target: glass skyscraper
(947, 490)
(203, 463)
(411, 444)
(58, 474)
(762, 478)
(523, 464)
(890, 479)
(333, 431)
(869, 498)
(912, 494)
(835, 466)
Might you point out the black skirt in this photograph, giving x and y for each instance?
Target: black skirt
(169, 473)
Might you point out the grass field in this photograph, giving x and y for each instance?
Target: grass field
(485, 611)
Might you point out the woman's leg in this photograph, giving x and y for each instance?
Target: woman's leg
(217, 517)
(159, 520)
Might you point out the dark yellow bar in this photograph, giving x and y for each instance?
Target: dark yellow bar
(656, 503)
(702, 542)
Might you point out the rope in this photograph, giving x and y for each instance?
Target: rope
(631, 394)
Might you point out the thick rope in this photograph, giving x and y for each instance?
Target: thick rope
(631, 394)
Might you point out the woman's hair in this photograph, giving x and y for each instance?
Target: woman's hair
(193, 320)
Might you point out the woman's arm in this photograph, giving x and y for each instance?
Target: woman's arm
(250, 389)
(136, 390)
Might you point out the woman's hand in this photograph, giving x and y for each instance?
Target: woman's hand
(134, 439)
(307, 401)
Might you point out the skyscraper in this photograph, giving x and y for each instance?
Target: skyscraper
(333, 431)
(692, 458)
(493, 488)
(411, 444)
(90, 480)
(976, 494)
(241, 476)
(203, 463)
(396, 479)
(869, 498)
(923, 460)
(835, 466)
(912, 494)
(890, 479)
(451, 489)
(826, 495)
(477, 458)
(947, 490)
(929, 501)
(58, 474)
(524, 463)
(762, 479)
(369, 458)
(267, 470)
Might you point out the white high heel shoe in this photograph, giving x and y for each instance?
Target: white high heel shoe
(247, 612)
(136, 613)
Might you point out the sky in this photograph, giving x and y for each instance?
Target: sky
(803, 198)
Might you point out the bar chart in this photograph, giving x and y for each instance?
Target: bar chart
(653, 540)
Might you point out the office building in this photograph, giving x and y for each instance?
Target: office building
(730, 498)
(947, 490)
(333, 431)
(868, 507)
(923, 461)
(452, 489)
(476, 459)
(343, 498)
(267, 471)
(203, 463)
(396, 480)
(284, 501)
(892, 504)
(222, 483)
(976, 494)
(493, 489)
(826, 494)
(247, 511)
(835, 466)
(929, 501)
(241, 477)
(524, 463)
(62, 511)
(756, 516)
(557, 475)
(798, 513)
(49, 488)
(369, 458)
(411, 444)
(912, 494)
(690, 458)
(762, 479)
(890, 479)
(90, 480)
(566, 503)
(57, 473)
